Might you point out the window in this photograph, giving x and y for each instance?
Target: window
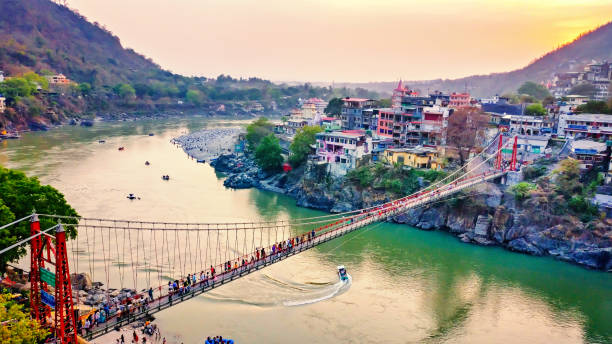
(400, 160)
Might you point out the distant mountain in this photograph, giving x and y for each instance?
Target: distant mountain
(39, 35)
(593, 45)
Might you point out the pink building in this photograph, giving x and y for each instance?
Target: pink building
(458, 100)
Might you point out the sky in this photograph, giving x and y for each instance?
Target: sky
(344, 40)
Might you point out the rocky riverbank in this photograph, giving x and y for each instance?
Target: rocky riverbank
(209, 143)
(490, 217)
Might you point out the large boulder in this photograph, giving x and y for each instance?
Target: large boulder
(598, 258)
(240, 181)
(431, 219)
(81, 281)
(521, 245)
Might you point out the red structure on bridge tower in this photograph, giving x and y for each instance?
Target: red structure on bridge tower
(499, 158)
(42, 299)
(514, 149)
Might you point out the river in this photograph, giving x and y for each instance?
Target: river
(407, 285)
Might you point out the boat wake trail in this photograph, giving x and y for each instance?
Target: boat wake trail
(322, 294)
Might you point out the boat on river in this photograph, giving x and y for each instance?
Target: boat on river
(166, 177)
(342, 273)
(201, 161)
(131, 196)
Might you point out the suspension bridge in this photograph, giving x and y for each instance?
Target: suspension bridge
(178, 261)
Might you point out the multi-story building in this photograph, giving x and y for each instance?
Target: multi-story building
(458, 100)
(414, 125)
(342, 150)
(596, 126)
(313, 107)
(523, 125)
(2, 104)
(352, 112)
(1, 76)
(588, 153)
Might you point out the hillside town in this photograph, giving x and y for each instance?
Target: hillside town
(413, 131)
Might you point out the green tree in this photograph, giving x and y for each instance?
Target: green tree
(334, 107)
(194, 97)
(16, 87)
(521, 190)
(17, 326)
(36, 79)
(268, 154)
(84, 88)
(594, 107)
(19, 195)
(533, 89)
(568, 178)
(124, 91)
(535, 110)
(300, 147)
(257, 130)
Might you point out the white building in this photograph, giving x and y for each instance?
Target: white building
(1, 76)
(341, 150)
(597, 126)
(2, 104)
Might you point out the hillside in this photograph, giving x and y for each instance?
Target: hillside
(39, 35)
(593, 45)
(39, 38)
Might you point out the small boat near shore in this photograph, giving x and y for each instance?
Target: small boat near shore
(132, 197)
(121, 148)
(166, 177)
(201, 161)
(342, 273)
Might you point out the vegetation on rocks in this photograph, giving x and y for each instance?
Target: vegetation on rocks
(394, 180)
(17, 326)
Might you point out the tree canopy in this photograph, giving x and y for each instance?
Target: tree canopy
(466, 130)
(257, 130)
(594, 106)
(535, 110)
(17, 326)
(533, 89)
(334, 107)
(268, 154)
(19, 196)
(300, 147)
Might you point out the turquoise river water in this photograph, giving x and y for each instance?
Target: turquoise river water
(407, 286)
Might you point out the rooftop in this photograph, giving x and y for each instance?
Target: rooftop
(589, 117)
(588, 145)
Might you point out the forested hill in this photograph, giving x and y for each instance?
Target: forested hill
(39, 38)
(593, 45)
(41, 35)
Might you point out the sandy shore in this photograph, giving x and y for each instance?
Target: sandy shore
(209, 143)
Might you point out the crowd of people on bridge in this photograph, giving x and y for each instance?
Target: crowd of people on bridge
(130, 302)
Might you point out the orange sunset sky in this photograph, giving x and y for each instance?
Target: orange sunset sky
(344, 40)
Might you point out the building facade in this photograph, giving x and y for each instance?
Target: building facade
(2, 104)
(585, 126)
(458, 100)
(341, 150)
(352, 112)
(419, 157)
